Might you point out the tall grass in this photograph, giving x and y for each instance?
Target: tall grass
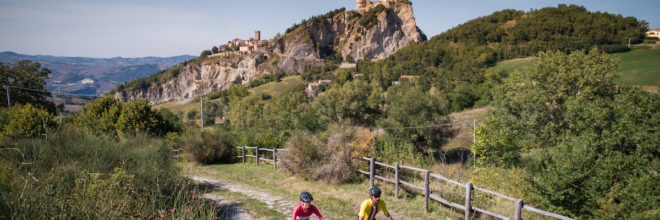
(69, 174)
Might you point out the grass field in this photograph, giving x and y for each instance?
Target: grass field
(640, 67)
(276, 88)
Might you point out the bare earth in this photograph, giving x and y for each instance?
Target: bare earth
(276, 203)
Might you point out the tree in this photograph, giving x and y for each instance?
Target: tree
(214, 49)
(598, 141)
(410, 104)
(29, 75)
(357, 101)
(205, 53)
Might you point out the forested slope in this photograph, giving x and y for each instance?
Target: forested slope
(458, 58)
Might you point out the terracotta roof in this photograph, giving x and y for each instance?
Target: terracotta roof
(325, 81)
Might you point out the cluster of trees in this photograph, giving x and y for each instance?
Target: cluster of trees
(274, 77)
(459, 59)
(596, 141)
(370, 18)
(320, 19)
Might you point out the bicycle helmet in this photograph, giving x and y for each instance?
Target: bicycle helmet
(306, 197)
(374, 191)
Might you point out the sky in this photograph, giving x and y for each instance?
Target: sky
(163, 28)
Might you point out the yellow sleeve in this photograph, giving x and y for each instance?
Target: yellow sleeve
(363, 208)
(382, 206)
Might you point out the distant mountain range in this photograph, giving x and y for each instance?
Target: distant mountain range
(68, 72)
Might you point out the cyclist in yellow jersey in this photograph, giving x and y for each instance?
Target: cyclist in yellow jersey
(372, 206)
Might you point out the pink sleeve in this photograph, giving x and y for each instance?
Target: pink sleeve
(316, 211)
(295, 212)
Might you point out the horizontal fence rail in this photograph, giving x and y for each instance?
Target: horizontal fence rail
(257, 149)
(428, 194)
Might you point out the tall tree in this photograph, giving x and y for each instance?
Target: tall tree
(29, 76)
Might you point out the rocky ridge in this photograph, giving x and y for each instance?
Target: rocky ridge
(297, 51)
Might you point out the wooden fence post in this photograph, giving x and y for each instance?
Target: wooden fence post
(468, 200)
(372, 171)
(275, 158)
(396, 180)
(257, 155)
(426, 191)
(519, 205)
(243, 150)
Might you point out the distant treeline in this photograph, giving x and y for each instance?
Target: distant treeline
(458, 59)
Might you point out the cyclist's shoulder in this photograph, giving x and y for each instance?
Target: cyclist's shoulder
(366, 202)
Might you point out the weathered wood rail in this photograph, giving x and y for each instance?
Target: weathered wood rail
(468, 207)
(257, 149)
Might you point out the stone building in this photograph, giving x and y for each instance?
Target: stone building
(257, 35)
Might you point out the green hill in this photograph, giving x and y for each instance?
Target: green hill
(459, 58)
(640, 67)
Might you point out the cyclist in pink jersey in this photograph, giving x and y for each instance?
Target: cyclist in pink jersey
(305, 209)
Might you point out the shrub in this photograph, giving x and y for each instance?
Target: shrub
(333, 161)
(24, 121)
(615, 48)
(109, 116)
(211, 147)
(77, 175)
(650, 41)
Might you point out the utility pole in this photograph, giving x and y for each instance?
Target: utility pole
(8, 99)
(201, 103)
(628, 42)
(474, 141)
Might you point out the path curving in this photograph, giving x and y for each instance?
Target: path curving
(276, 203)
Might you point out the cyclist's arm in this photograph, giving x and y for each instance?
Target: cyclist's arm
(363, 209)
(316, 212)
(295, 213)
(384, 208)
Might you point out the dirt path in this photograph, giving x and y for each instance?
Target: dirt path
(185, 101)
(276, 203)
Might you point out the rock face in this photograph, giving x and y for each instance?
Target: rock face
(210, 76)
(297, 51)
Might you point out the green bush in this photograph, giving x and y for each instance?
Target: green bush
(213, 146)
(650, 41)
(370, 18)
(652, 38)
(614, 48)
(109, 116)
(21, 121)
(77, 175)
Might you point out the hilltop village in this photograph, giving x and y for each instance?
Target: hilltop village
(240, 46)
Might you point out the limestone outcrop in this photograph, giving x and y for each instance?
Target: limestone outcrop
(297, 51)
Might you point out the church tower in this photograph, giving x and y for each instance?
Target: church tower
(257, 35)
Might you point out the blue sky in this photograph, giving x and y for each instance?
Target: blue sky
(104, 29)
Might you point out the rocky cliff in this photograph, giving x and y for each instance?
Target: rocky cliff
(297, 51)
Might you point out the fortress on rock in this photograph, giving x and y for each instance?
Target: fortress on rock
(365, 5)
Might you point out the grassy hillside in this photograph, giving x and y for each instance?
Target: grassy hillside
(640, 67)
(276, 88)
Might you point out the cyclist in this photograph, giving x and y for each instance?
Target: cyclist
(371, 206)
(305, 209)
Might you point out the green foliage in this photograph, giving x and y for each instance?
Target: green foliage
(109, 116)
(370, 18)
(350, 58)
(213, 146)
(410, 104)
(356, 101)
(344, 76)
(242, 119)
(315, 20)
(24, 121)
(274, 77)
(212, 110)
(390, 150)
(319, 72)
(205, 53)
(192, 114)
(73, 174)
(214, 49)
(25, 74)
(459, 57)
(598, 141)
(650, 41)
(614, 48)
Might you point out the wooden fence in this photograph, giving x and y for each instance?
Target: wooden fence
(468, 191)
(257, 149)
